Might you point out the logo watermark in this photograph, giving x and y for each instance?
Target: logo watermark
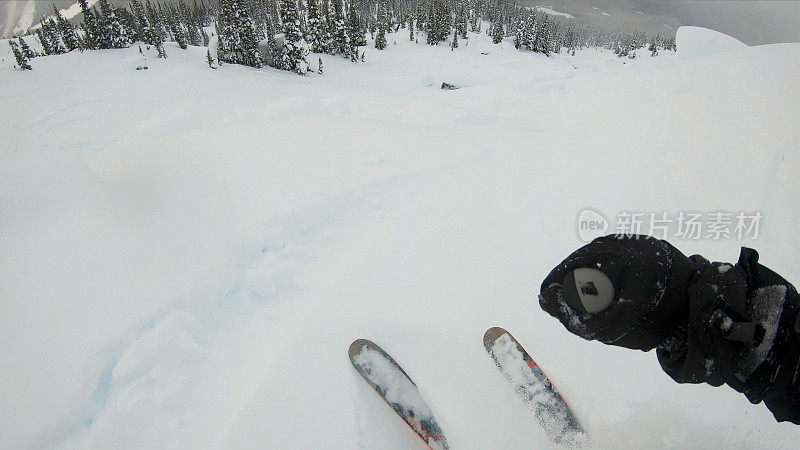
(689, 225)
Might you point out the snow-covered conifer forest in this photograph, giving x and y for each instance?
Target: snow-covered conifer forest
(281, 34)
(203, 204)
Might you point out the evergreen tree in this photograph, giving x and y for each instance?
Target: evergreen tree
(316, 32)
(26, 51)
(106, 31)
(184, 15)
(22, 61)
(496, 31)
(295, 48)
(238, 42)
(112, 32)
(127, 22)
(193, 34)
(430, 24)
(66, 31)
(209, 59)
(154, 19)
(50, 29)
(454, 43)
(160, 48)
(163, 21)
(438, 25)
(355, 30)
(569, 38)
(275, 48)
(200, 14)
(178, 33)
(528, 31)
(519, 32)
(139, 22)
(188, 24)
(144, 26)
(325, 18)
(176, 26)
(47, 47)
(461, 19)
(302, 16)
(91, 26)
(380, 39)
(155, 36)
(168, 19)
(340, 40)
(541, 42)
(474, 22)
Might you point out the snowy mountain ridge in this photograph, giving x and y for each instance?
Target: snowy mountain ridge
(19, 16)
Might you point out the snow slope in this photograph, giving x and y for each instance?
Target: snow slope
(187, 253)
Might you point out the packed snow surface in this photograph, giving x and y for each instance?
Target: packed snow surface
(187, 253)
(693, 42)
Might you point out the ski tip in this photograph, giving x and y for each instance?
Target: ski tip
(357, 345)
(492, 334)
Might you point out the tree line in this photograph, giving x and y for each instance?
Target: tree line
(282, 33)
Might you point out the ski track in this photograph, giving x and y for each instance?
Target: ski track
(267, 274)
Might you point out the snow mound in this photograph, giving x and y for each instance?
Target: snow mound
(693, 42)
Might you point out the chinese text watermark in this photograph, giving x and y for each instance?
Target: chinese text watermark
(714, 225)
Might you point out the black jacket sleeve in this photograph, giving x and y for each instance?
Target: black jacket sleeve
(743, 330)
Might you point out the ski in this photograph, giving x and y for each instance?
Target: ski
(535, 388)
(392, 383)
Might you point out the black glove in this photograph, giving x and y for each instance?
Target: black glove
(711, 322)
(635, 289)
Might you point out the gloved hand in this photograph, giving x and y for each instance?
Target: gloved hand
(712, 345)
(624, 291)
(711, 322)
(642, 293)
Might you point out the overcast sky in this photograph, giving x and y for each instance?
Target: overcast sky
(753, 22)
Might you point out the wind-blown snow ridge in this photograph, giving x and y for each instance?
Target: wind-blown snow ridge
(693, 42)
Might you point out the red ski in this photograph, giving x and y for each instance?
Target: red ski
(535, 388)
(392, 383)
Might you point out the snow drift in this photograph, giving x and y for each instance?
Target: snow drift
(693, 42)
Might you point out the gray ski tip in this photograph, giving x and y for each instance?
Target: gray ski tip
(494, 333)
(356, 347)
